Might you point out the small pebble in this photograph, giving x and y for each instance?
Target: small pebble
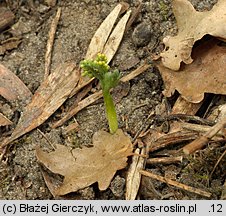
(142, 34)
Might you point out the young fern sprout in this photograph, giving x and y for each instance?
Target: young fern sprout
(99, 69)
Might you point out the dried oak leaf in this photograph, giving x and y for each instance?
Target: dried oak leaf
(4, 121)
(192, 26)
(50, 95)
(206, 74)
(83, 167)
(11, 87)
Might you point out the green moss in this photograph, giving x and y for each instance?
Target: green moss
(164, 10)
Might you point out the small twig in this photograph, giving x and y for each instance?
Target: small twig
(203, 140)
(213, 101)
(72, 127)
(135, 73)
(81, 105)
(3, 152)
(46, 138)
(176, 184)
(144, 127)
(134, 15)
(199, 128)
(172, 139)
(218, 161)
(186, 118)
(137, 107)
(165, 160)
(50, 42)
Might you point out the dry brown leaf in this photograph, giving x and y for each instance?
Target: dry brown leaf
(51, 182)
(182, 106)
(206, 74)
(47, 99)
(6, 17)
(83, 167)
(11, 87)
(101, 36)
(192, 26)
(105, 40)
(115, 38)
(9, 44)
(4, 121)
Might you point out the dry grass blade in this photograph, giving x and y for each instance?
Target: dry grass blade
(201, 129)
(133, 176)
(134, 16)
(176, 184)
(135, 73)
(50, 42)
(202, 141)
(47, 99)
(170, 139)
(81, 105)
(115, 38)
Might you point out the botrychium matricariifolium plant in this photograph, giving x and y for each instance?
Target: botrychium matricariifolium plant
(108, 78)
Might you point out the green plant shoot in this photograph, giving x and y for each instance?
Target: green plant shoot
(99, 69)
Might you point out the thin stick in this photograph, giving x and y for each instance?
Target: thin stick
(72, 127)
(203, 140)
(81, 105)
(198, 128)
(46, 138)
(134, 15)
(144, 126)
(165, 160)
(135, 73)
(97, 95)
(50, 41)
(176, 184)
(186, 118)
(218, 161)
(171, 139)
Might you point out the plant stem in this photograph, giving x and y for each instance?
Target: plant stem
(110, 111)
